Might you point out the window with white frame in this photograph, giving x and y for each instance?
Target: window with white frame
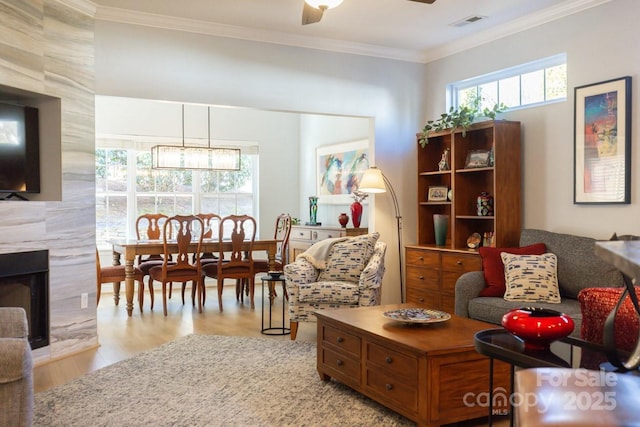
(127, 186)
(527, 85)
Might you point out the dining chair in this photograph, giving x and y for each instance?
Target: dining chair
(149, 226)
(187, 229)
(211, 222)
(281, 234)
(240, 230)
(115, 274)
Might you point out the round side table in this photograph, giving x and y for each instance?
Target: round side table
(270, 329)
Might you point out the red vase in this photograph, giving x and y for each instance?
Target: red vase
(356, 213)
(537, 327)
(343, 219)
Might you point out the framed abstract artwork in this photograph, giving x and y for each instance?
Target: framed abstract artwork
(602, 142)
(339, 170)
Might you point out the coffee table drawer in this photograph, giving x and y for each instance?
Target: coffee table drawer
(342, 341)
(341, 367)
(392, 388)
(392, 362)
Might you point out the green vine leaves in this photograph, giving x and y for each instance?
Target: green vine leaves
(461, 117)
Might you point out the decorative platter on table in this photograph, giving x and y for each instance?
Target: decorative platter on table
(417, 315)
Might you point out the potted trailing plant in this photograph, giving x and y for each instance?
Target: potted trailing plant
(461, 117)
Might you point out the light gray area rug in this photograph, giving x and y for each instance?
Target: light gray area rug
(205, 380)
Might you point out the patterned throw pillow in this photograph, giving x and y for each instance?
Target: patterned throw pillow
(531, 278)
(493, 268)
(348, 258)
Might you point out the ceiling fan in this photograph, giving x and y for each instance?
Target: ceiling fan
(313, 9)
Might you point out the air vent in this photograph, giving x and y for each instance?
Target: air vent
(468, 20)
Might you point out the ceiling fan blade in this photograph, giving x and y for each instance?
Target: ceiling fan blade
(310, 14)
(424, 1)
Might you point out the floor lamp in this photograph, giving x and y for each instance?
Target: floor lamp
(374, 181)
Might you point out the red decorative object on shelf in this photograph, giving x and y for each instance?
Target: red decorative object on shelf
(537, 327)
(343, 219)
(356, 213)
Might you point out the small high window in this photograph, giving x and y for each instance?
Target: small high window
(527, 85)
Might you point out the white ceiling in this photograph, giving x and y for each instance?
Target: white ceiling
(397, 29)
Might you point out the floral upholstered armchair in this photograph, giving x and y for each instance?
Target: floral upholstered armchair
(335, 273)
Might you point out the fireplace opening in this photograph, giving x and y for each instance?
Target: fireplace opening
(24, 282)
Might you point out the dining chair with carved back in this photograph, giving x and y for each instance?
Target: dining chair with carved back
(182, 230)
(237, 264)
(115, 274)
(281, 234)
(211, 222)
(150, 226)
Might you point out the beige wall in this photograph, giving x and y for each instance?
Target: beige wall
(47, 48)
(599, 46)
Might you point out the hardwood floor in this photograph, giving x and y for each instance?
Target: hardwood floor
(122, 337)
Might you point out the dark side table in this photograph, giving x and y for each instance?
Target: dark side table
(270, 282)
(568, 352)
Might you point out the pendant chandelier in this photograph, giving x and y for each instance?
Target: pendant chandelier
(194, 157)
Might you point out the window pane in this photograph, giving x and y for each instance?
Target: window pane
(509, 90)
(533, 87)
(144, 174)
(488, 95)
(467, 96)
(522, 85)
(101, 170)
(556, 82)
(145, 204)
(117, 217)
(210, 204)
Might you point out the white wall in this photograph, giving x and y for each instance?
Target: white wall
(160, 64)
(599, 44)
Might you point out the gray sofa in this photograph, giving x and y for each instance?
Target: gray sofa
(16, 369)
(578, 268)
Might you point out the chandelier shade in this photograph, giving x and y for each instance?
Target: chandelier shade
(189, 157)
(194, 157)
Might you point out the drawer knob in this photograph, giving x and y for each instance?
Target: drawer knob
(388, 359)
(389, 387)
(459, 262)
(421, 299)
(421, 277)
(339, 362)
(421, 258)
(340, 339)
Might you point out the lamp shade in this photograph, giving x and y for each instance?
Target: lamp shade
(323, 4)
(372, 181)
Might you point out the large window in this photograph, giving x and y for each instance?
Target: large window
(127, 186)
(535, 83)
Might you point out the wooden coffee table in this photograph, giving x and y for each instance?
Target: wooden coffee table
(429, 373)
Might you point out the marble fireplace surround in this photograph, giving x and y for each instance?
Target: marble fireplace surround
(48, 61)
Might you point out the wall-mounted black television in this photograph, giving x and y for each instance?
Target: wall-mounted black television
(19, 150)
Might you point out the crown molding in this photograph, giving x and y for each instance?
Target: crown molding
(518, 25)
(86, 7)
(127, 16)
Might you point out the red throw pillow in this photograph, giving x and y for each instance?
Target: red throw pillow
(493, 267)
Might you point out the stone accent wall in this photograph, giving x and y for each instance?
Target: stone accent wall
(47, 47)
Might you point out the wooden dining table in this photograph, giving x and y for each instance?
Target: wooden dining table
(130, 249)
